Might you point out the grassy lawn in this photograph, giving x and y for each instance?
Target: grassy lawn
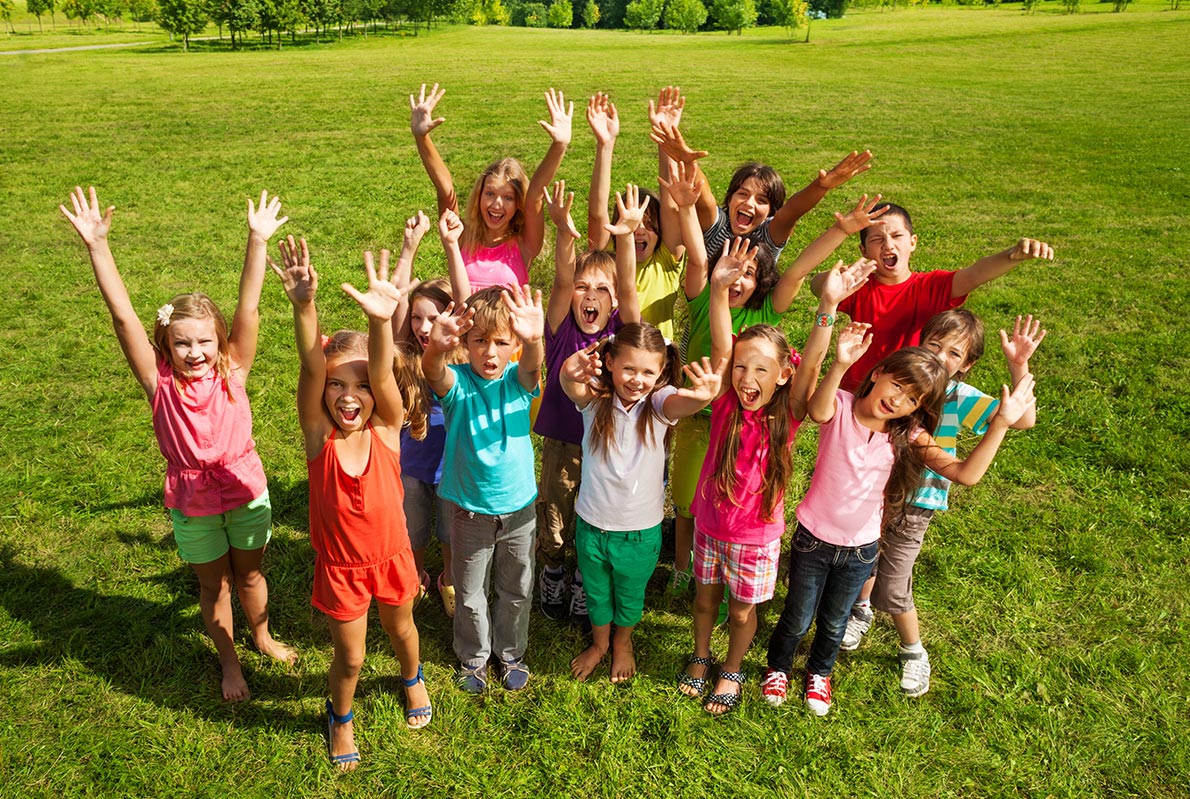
(1052, 595)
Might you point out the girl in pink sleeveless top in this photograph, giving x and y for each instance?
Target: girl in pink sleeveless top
(193, 372)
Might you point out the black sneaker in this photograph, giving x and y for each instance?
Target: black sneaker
(551, 588)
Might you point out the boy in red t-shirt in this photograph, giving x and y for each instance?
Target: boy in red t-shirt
(897, 302)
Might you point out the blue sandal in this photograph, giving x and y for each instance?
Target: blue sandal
(729, 701)
(697, 684)
(332, 719)
(412, 714)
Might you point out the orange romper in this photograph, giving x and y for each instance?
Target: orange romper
(357, 529)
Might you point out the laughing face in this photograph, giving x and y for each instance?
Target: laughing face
(498, 205)
(645, 241)
(634, 373)
(593, 300)
(348, 396)
(748, 207)
(756, 371)
(890, 243)
(193, 346)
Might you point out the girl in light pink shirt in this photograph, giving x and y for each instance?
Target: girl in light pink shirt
(192, 372)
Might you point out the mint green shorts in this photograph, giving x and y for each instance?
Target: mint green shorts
(202, 539)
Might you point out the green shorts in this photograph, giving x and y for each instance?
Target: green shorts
(202, 539)
(616, 567)
(692, 438)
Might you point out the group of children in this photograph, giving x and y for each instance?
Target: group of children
(420, 428)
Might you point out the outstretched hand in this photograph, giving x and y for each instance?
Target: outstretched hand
(263, 221)
(422, 119)
(841, 282)
(668, 110)
(704, 382)
(737, 254)
(851, 165)
(853, 342)
(450, 227)
(559, 207)
(528, 316)
(91, 224)
(1027, 249)
(560, 117)
(416, 228)
(670, 140)
(603, 119)
(684, 185)
(382, 297)
(449, 326)
(584, 366)
(861, 216)
(629, 210)
(1014, 405)
(1026, 338)
(298, 277)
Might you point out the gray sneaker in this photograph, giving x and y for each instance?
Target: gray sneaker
(857, 624)
(915, 672)
(578, 607)
(551, 588)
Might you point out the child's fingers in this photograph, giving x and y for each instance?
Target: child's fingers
(352, 292)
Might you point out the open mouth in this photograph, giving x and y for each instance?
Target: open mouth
(495, 218)
(590, 315)
(641, 246)
(885, 408)
(889, 260)
(749, 396)
(743, 220)
(349, 414)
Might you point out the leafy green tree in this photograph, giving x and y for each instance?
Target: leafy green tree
(686, 16)
(111, 9)
(560, 14)
(81, 10)
(642, 15)
(1071, 6)
(834, 9)
(289, 19)
(734, 15)
(590, 14)
(322, 13)
(39, 7)
(143, 10)
(529, 15)
(238, 15)
(1119, 5)
(790, 14)
(182, 18)
(7, 7)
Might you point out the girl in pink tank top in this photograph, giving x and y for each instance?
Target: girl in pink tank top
(193, 372)
(351, 412)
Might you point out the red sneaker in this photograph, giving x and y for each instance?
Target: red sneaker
(818, 694)
(774, 687)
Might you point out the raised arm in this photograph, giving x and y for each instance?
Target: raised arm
(93, 225)
(855, 220)
(684, 187)
(402, 276)
(452, 323)
(670, 140)
(577, 373)
(379, 303)
(559, 128)
(421, 122)
(450, 229)
(840, 282)
(988, 269)
(528, 324)
(804, 201)
(971, 469)
(853, 342)
(245, 325)
(631, 212)
(1026, 338)
(300, 282)
(668, 110)
(703, 384)
(559, 207)
(605, 125)
(737, 255)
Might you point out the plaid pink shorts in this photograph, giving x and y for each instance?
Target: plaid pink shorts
(748, 570)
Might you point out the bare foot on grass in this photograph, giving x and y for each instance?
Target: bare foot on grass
(586, 661)
(623, 662)
(267, 645)
(235, 688)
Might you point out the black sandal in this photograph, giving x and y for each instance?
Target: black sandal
(698, 684)
(729, 701)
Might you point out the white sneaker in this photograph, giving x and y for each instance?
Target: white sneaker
(915, 672)
(857, 624)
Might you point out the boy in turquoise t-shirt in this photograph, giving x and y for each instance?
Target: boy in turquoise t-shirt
(487, 473)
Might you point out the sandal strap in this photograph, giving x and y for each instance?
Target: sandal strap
(415, 680)
(736, 677)
(730, 700)
(694, 659)
(336, 718)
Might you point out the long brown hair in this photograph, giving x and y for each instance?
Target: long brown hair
(924, 372)
(778, 412)
(642, 336)
(510, 171)
(415, 391)
(194, 306)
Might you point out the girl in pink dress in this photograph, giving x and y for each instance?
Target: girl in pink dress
(193, 372)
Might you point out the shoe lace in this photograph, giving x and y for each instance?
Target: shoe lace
(775, 681)
(552, 589)
(578, 600)
(916, 670)
(817, 684)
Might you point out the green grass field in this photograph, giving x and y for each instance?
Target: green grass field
(1052, 595)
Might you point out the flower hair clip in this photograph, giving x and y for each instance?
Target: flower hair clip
(164, 313)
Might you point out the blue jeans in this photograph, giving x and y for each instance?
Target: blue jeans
(824, 580)
(492, 550)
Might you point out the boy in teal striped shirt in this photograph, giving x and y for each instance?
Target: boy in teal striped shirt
(956, 336)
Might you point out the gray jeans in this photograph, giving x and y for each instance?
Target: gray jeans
(492, 549)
